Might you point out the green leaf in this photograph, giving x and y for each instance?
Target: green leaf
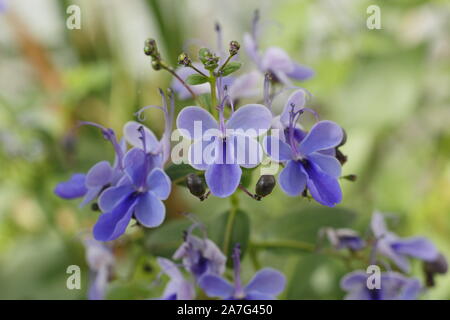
(164, 240)
(304, 225)
(178, 171)
(230, 68)
(246, 177)
(240, 233)
(194, 79)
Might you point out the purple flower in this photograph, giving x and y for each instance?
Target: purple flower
(101, 261)
(99, 177)
(266, 284)
(177, 288)
(138, 195)
(345, 239)
(200, 256)
(309, 162)
(274, 60)
(221, 148)
(399, 249)
(393, 286)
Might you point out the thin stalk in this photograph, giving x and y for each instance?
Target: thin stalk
(172, 72)
(230, 222)
(212, 84)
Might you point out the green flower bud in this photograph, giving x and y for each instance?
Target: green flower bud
(150, 48)
(209, 59)
(184, 60)
(156, 65)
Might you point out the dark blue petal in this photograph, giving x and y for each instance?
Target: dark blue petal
(113, 224)
(324, 188)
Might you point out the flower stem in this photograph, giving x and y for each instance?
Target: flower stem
(212, 83)
(172, 72)
(230, 223)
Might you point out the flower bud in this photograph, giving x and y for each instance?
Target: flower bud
(209, 59)
(150, 48)
(184, 60)
(195, 185)
(431, 268)
(156, 65)
(264, 186)
(234, 47)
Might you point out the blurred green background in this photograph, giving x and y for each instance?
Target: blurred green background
(388, 88)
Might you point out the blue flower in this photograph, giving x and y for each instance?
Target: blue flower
(138, 195)
(399, 249)
(222, 147)
(200, 255)
(177, 288)
(266, 284)
(99, 177)
(308, 157)
(345, 239)
(101, 261)
(274, 60)
(393, 286)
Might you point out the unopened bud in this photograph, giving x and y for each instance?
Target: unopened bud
(195, 185)
(350, 177)
(150, 48)
(209, 59)
(156, 65)
(431, 268)
(184, 60)
(265, 185)
(234, 47)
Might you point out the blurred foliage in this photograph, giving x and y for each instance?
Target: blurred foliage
(388, 88)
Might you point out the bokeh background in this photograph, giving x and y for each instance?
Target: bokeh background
(388, 88)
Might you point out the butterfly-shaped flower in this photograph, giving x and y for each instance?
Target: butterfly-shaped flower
(393, 286)
(178, 288)
(399, 249)
(221, 148)
(266, 284)
(274, 60)
(307, 157)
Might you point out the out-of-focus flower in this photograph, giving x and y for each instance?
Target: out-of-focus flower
(274, 60)
(308, 162)
(101, 261)
(345, 239)
(221, 148)
(393, 286)
(266, 284)
(177, 288)
(399, 249)
(200, 256)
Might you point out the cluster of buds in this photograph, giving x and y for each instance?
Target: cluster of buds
(208, 58)
(184, 60)
(234, 48)
(151, 50)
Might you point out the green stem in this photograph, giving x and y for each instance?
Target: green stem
(230, 222)
(212, 83)
(224, 64)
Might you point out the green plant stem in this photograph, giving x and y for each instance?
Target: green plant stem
(301, 246)
(197, 70)
(225, 64)
(212, 83)
(230, 222)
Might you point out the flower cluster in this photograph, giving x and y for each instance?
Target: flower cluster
(394, 283)
(227, 137)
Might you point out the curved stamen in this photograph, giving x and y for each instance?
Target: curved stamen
(267, 98)
(108, 134)
(218, 30)
(139, 113)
